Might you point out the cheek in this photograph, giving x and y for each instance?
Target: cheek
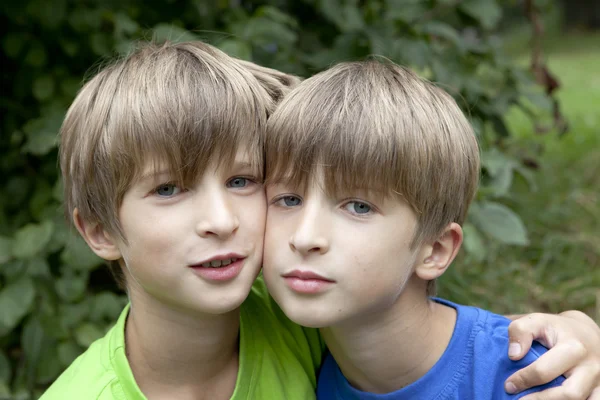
(253, 216)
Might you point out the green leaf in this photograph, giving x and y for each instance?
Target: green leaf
(78, 255)
(36, 56)
(13, 44)
(473, 242)
(100, 43)
(407, 11)
(444, 31)
(236, 48)
(107, 306)
(71, 315)
(6, 245)
(5, 391)
(38, 267)
(31, 239)
(32, 340)
(42, 133)
(499, 222)
(68, 351)
(171, 33)
(71, 287)
(15, 301)
(5, 370)
(86, 334)
(47, 369)
(124, 25)
(43, 87)
(486, 12)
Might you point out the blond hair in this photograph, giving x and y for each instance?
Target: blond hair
(184, 105)
(376, 126)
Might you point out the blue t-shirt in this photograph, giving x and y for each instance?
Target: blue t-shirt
(474, 365)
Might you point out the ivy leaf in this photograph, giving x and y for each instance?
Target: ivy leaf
(31, 239)
(68, 351)
(486, 12)
(32, 340)
(236, 48)
(86, 334)
(6, 245)
(5, 370)
(499, 222)
(71, 287)
(473, 242)
(15, 301)
(171, 33)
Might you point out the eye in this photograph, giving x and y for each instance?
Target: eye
(358, 207)
(238, 182)
(289, 201)
(167, 190)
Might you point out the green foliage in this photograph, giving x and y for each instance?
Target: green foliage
(50, 307)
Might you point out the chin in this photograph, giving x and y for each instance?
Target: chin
(305, 316)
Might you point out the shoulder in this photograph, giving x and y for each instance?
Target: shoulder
(490, 356)
(91, 375)
(88, 377)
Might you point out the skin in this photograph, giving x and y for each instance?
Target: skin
(182, 330)
(377, 298)
(183, 342)
(342, 239)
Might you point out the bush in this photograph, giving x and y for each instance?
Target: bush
(55, 296)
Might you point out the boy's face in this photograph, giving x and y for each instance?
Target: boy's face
(197, 248)
(331, 260)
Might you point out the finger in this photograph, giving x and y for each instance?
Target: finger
(523, 331)
(577, 387)
(555, 362)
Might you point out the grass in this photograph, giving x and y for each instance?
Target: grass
(560, 269)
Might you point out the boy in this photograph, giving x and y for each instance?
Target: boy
(161, 155)
(370, 172)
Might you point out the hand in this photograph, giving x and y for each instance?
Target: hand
(573, 340)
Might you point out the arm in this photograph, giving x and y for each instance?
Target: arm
(574, 342)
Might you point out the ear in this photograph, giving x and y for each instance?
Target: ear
(100, 241)
(434, 259)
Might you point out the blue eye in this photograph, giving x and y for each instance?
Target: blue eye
(289, 201)
(237, 182)
(357, 207)
(167, 190)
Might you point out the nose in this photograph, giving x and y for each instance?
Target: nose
(311, 236)
(217, 217)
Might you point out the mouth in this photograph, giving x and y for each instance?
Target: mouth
(221, 268)
(307, 282)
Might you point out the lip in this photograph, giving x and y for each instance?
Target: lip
(307, 282)
(219, 257)
(220, 274)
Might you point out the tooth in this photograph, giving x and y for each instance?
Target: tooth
(234, 260)
(206, 264)
(215, 263)
(226, 262)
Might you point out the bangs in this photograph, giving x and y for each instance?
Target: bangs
(358, 137)
(379, 128)
(187, 110)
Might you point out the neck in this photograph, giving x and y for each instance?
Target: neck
(392, 348)
(175, 353)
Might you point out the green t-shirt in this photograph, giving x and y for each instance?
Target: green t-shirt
(278, 359)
